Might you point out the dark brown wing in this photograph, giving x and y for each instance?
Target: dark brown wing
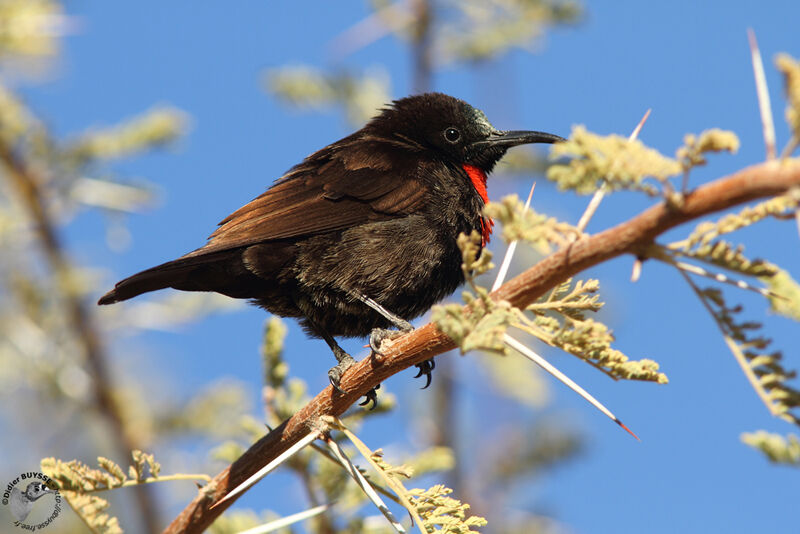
(340, 186)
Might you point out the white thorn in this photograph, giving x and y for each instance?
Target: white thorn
(264, 471)
(636, 271)
(600, 193)
(512, 247)
(719, 277)
(764, 107)
(353, 471)
(286, 521)
(547, 366)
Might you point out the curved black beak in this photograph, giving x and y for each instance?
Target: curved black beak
(517, 137)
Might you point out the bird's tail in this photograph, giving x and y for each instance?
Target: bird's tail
(162, 276)
(189, 273)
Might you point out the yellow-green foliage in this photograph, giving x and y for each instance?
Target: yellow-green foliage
(767, 368)
(570, 300)
(282, 396)
(725, 254)
(92, 511)
(591, 341)
(440, 512)
(76, 481)
(74, 476)
(391, 471)
(707, 231)
(434, 459)
(154, 128)
(27, 27)
(16, 120)
(486, 29)
(482, 325)
(764, 369)
(538, 230)
(557, 319)
(275, 369)
(790, 68)
(475, 328)
(309, 88)
(695, 147)
(787, 291)
(778, 449)
(704, 244)
(612, 159)
(622, 164)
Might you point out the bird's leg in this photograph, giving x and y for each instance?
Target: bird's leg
(378, 335)
(345, 362)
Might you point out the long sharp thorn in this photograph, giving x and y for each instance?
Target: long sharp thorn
(636, 271)
(547, 366)
(289, 520)
(719, 277)
(764, 107)
(264, 471)
(512, 247)
(391, 18)
(594, 203)
(635, 132)
(353, 471)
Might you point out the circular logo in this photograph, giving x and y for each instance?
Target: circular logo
(33, 500)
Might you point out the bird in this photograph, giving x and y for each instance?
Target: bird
(21, 502)
(361, 235)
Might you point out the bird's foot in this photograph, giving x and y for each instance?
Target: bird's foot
(379, 335)
(426, 368)
(336, 373)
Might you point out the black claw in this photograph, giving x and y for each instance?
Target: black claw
(376, 338)
(379, 335)
(426, 368)
(375, 348)
(336, 372)
(371, 396)
(335, 384)
(428, 379)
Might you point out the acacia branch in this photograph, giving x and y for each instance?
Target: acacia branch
(630, 237)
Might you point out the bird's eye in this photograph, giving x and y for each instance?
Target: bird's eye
(452, 135)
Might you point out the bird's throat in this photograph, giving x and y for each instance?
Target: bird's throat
(478, 179)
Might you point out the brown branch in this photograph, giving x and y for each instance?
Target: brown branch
(27, 184)
(630, 237)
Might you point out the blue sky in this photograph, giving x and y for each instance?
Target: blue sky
(688, 61)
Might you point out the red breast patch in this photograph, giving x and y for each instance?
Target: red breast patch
(478, 179)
